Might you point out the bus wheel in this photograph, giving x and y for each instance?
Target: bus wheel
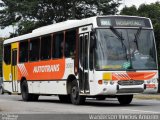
(125, 99)
(64, 98)
(74, 94)
(24, 90)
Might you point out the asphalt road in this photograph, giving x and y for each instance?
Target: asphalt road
(52, 105)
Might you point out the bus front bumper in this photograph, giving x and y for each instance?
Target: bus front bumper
(113, 88)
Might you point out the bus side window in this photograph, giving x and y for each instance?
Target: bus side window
(70, 43)
(23, 51)
(57, 49)
(34, 49)
(46, 47)
(7, 54)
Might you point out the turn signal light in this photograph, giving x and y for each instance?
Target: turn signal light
(100, 82)
(150, 86)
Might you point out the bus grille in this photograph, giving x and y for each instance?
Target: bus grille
(131, 82)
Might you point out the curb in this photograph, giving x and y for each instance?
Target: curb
(147, 96)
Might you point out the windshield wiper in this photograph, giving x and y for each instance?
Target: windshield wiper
(137, 36)
(120, 37)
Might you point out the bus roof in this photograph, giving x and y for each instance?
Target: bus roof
(69, 24)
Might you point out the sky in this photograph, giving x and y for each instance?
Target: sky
(128, 3)
(138, 2)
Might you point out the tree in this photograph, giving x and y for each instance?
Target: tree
(30, 14)
(129, 10)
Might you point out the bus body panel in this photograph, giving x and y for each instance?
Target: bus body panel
(47, 87)
(47, 80)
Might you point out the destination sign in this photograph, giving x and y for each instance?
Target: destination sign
(126, 22)
(123, 21)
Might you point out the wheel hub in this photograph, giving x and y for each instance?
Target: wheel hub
(74, 92)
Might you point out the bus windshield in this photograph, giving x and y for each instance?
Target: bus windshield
(125, 49)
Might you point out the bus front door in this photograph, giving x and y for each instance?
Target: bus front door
(14, 70)
(84, 63)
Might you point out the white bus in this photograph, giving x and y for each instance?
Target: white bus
(98, 57)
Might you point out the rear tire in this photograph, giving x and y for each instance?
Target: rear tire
(76, 98)
(25, 93)
(125, 99)
(64, 98)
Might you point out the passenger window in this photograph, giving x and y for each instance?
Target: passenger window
(34, 49)
(46, 47)
(7, 54)
(58, 43)
(23, 51)
(70, 43)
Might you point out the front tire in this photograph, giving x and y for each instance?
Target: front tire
(125, 99)
(76, 98)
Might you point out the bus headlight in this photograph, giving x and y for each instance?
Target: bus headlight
(111, 82)
(148, 81)
(154, 80)
(105, 82)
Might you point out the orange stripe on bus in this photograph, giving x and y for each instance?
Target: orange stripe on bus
(133, 75)
(42, 70)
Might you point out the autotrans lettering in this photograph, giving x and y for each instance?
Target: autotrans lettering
(46, 68)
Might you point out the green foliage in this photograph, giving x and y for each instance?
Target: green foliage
(129, 11)
(30, 14)
(153, 12)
